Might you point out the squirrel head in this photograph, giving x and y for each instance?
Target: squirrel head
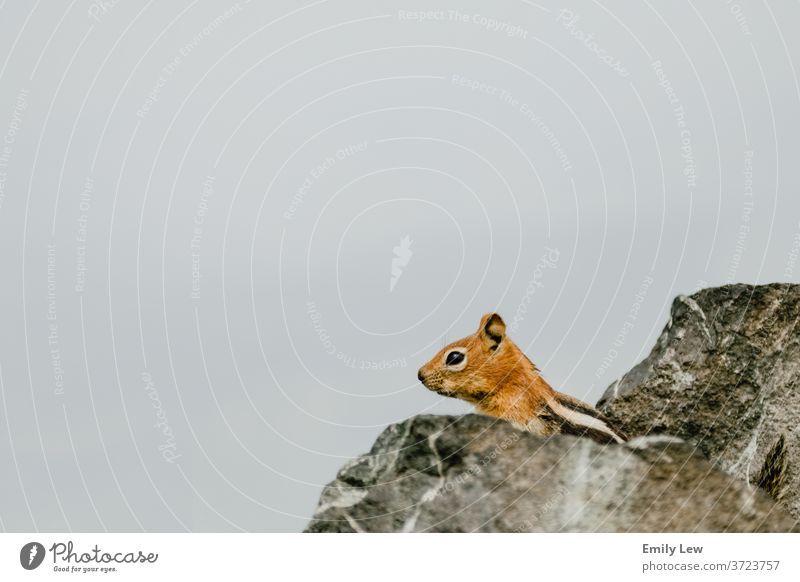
(475, 367)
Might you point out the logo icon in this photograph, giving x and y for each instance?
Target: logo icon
(31, 555)
(402, 256)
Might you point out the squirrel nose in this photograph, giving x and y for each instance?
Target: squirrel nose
(420, 377)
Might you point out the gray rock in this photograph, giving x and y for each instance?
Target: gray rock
(474, 473)
(723, 376)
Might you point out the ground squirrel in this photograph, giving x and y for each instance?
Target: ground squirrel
(488, 370)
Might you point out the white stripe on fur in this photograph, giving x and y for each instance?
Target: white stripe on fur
(581, 419)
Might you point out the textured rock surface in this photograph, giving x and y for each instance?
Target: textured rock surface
(473, 473)
(724, 376)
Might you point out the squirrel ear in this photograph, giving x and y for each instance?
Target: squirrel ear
(492, 330)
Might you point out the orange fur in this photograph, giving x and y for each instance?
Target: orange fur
(499, 379)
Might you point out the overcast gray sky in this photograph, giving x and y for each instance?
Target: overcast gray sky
(232, 232)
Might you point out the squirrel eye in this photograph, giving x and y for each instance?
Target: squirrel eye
(454, 358)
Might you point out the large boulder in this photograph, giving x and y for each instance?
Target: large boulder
(724, 377)
(474, 473)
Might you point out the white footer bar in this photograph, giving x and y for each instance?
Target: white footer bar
(494, 557)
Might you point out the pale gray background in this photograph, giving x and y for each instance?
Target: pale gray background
(575, 156)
